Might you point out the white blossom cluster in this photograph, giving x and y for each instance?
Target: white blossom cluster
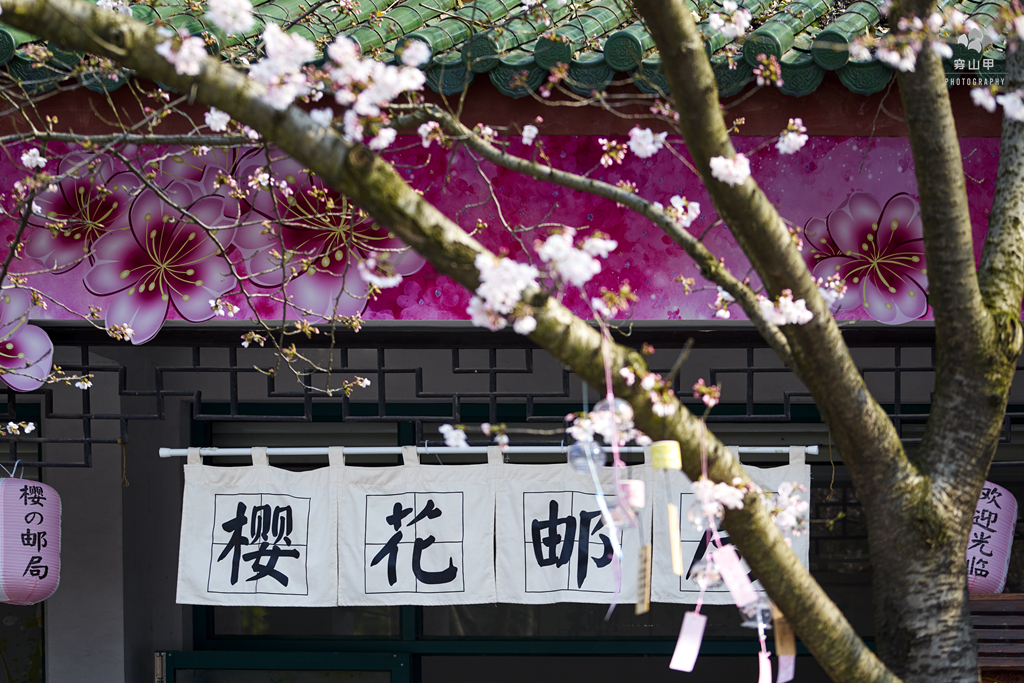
(33, 159)
(454, 437)
(787, 509)
(786, 312)
(429, 131)
(502, 282)
(322, 117)
(572, 265)
(734, 171)
(376, 272)
(415, 53)
(281, 70)
(217, 120)
(223, 308)
(18, 427)
(1013, 104)
(608, 425)
(367, 86)
(711, 497)
(902, 58)
(189, 56)
(685, 212)
(529, 134)
(721, 304)
(793, 138)
(231, 16)
(117, 6)
(739, 20)
(831, 290)
(644, 143)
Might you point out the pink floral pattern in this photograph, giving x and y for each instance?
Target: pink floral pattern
(316, 239)
(84, 206)
(26, 352)
(879, 253)
(163, 259)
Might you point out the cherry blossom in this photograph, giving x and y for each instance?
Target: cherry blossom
(572, 265)
(429, 131)
(163, 259)
(739, 20)
(223, 308)
(217, 120)
(831, 289)
(454, 437)
(84, 206)
(599, 246)
(118, 6)
(793, 138)
(383, 139)
(231, 16)
(645, 143)
(709, 394)
(685, 212)
(415, 53)
(1013, 106)
(280, 72)
(529, 134)
(734, 171)
(316, 241)
(983, 97)
(787, 509)
(322, 117)
(902, 58)
(502, 282)
(877, 251)
(377, 272)
(524, 325)
(614, 152)
(368, 86)
(188, 58)
(26, 352)
(33, 159)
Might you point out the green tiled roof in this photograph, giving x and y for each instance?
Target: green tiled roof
(600, 41)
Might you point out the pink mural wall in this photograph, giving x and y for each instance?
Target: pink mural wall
(141, 262)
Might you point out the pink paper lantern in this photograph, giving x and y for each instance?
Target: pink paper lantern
(988, 545)
(29, 541)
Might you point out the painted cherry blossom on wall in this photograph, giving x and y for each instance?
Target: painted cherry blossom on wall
(136, 253)
(878, 251)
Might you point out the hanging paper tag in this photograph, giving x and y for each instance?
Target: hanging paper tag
(764, 666)
(728, 563)
(643, 580)
(673, 539)
(688, 644)
(785, 641)
(787, 668)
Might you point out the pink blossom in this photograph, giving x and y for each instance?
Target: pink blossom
(877, 251)
(734, 171)
(645, 143)
(164, 259)
(26, 352)
(86, 205)
(315, 242)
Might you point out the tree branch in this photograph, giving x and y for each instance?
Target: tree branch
(1001, 274)
(864, 434)
(711, 267)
